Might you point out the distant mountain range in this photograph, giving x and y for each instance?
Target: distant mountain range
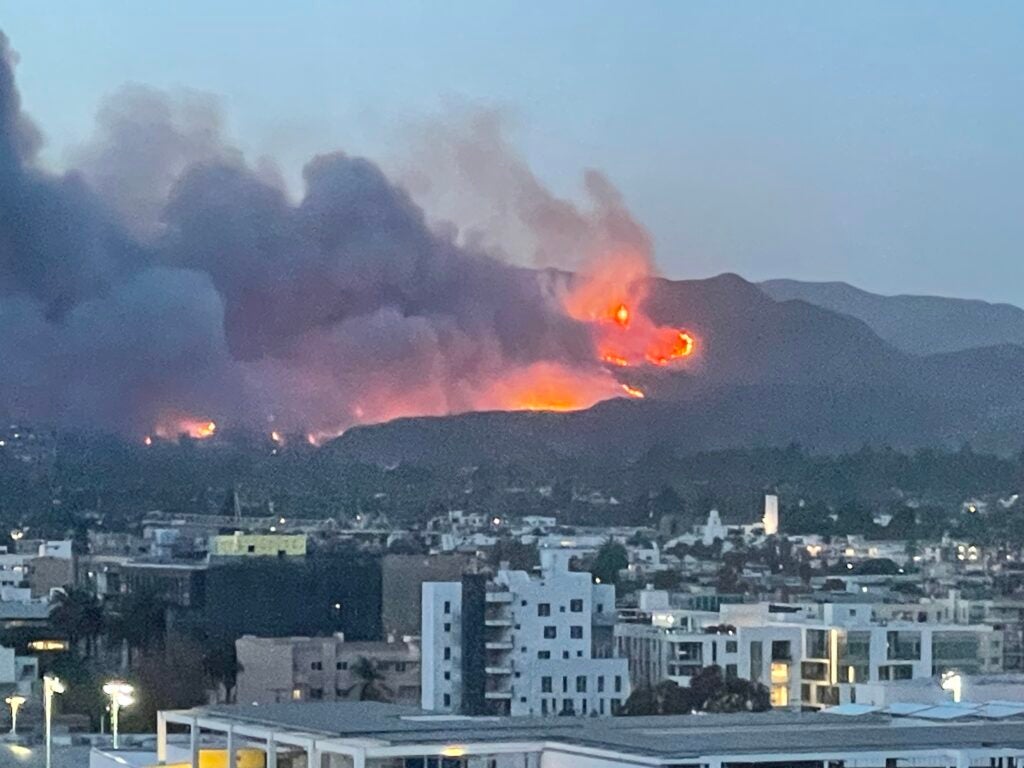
(771, 372)
(917, 324)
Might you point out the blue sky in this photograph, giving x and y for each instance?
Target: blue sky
(874, 142)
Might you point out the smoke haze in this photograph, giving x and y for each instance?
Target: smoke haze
(167, 279)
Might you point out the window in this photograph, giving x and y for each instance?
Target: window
(600, 607)
(576, 632)
(316, 693)
(618, 683)
(731, 646)
(341, 665)
(576, 606)
(600, 683)
(565, 684)
(447, 627)
(447, 606)
(545, 685)
(447, 699)
(543, 609)
(447, 675)
(731, 671)
(567, 706)
(317, 665)
(296, 693)
(565, 654)
(447, 653)
(543, 706)
(581, 683)
(399, 666)
(550, 632)
(251, 548)
(543, 654)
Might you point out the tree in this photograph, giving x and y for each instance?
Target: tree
(78, 615)
(221, 665)
(139, 619)
(167, 678)
(709, 691)
(739, 695)
(370, 682)
(611, 558)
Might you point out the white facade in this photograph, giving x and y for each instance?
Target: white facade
(809, 656)
(521, 645)
(771, 515)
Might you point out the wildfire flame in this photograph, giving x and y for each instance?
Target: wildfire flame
(609, 300)
(174, 427)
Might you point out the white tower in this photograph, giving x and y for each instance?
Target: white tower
(771, 515)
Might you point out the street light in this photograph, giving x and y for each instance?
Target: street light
(120, 695)
(51, 685)
(14, 702)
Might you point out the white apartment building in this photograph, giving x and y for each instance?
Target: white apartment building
(809, 656)
(518, 644)
(277, 669)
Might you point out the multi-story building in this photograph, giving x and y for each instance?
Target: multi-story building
(275, 669)
(519, 644)
(810, 656)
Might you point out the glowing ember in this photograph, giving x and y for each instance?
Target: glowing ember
(275, 436)
(147, 440)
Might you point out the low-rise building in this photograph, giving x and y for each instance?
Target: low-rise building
(241, 544)
(275, 669)
(381, 736)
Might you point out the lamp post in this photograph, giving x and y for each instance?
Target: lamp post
(51, 686)
(14, 702)
(120, 695)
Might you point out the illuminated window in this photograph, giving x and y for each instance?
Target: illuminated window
(780, 672)
(296, 693)
(780, 696)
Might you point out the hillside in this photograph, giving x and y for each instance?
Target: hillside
(915, 324)
(771, 373)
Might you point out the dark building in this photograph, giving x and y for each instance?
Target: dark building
(402, 578)
(270, 597)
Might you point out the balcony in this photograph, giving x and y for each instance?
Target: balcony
(498, 695)
(498, 670)
(498, 645)
(497, 622)
(502, 596)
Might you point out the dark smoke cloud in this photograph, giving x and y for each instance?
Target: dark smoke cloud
(167, 276)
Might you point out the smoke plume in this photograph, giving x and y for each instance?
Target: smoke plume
(166, 279)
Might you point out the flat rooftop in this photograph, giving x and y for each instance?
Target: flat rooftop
(675, 737)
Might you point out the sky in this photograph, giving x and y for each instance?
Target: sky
(877, 143)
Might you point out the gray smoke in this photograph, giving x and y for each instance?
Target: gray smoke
(167, 276)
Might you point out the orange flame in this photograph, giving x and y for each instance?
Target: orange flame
(174, 427)
(633, 391)
(610, 299)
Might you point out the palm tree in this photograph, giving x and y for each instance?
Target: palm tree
(78, 614)
(371, 685)
(222, 667)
